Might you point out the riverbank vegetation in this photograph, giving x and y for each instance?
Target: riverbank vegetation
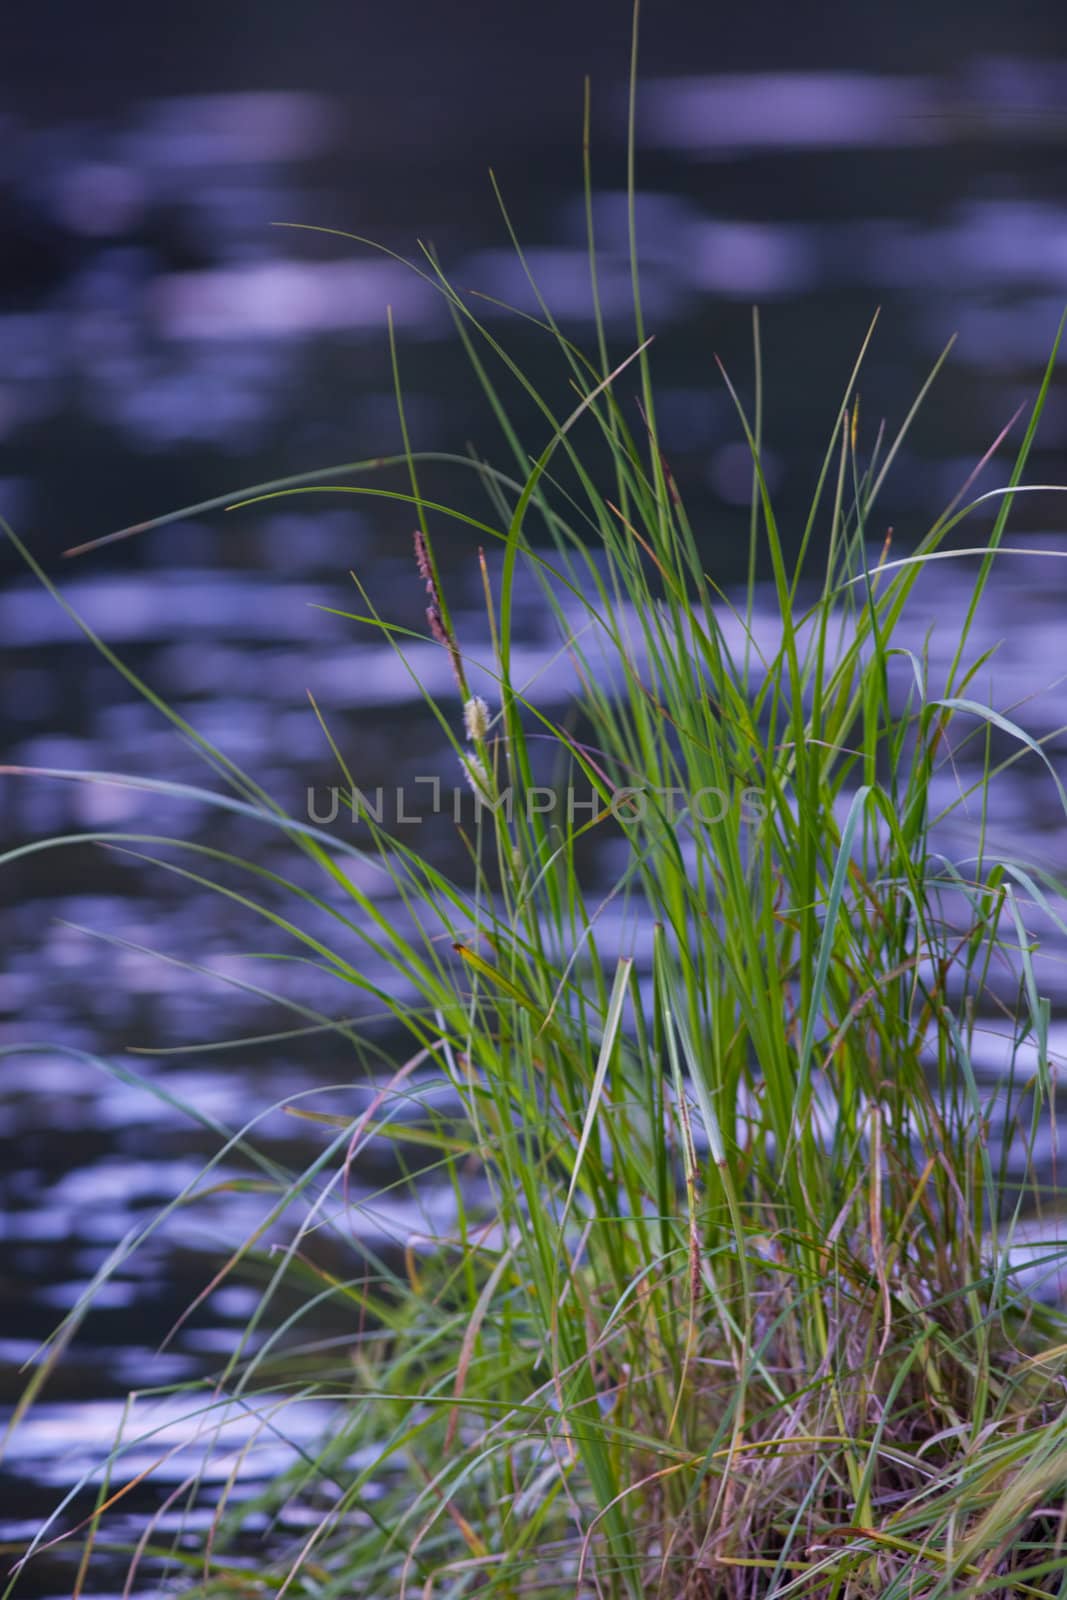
(724, 1303)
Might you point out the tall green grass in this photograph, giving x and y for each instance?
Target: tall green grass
(724, 1311)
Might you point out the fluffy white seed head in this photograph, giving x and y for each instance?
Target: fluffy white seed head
(478, 778)
(476, 718)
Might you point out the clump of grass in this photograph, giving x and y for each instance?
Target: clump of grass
(723, 1311)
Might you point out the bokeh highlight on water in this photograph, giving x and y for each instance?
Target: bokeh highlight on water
(162, 342)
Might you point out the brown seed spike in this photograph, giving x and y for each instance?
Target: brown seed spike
(437, 627)
(445, 638)
(422, 558)
(434, 616)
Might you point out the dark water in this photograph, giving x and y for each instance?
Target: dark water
(161, 342)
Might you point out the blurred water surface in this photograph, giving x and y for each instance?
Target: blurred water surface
(162, 342)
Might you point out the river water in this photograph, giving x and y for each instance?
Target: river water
(161, 343)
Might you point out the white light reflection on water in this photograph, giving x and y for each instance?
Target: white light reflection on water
(60, 1444)
(291, 299)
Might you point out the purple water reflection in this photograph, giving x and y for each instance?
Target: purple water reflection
(791, 111)
(160, 342)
